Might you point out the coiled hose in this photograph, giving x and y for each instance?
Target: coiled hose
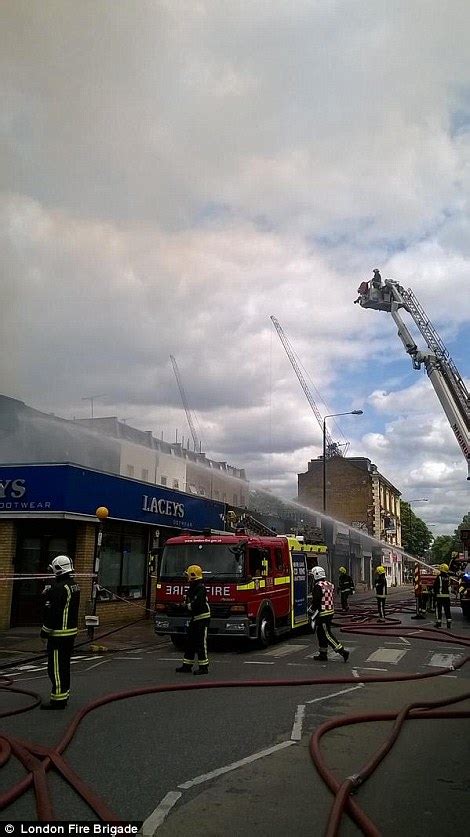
(38, 760)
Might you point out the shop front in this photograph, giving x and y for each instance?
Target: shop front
(46, 510)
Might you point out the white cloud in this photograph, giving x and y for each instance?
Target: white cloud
(173, 174)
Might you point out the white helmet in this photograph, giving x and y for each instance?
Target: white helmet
(317, 573)
(61, 565)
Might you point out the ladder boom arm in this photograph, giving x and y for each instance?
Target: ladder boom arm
(446, 379)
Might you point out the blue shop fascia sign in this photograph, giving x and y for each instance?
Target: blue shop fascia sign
(72, 490)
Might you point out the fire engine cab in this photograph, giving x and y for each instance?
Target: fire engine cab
(257, 586)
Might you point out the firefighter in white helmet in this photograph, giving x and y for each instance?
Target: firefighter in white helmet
(200, 614)
(323, 610)
(59, 628)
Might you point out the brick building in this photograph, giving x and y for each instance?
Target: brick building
(358, 495)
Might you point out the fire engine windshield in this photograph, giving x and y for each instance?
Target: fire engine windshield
(217, 560)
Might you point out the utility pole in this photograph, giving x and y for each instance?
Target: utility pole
(92, 399)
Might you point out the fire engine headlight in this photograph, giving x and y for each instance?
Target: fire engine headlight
(238, 608)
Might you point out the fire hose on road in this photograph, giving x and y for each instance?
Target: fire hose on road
(38, 760)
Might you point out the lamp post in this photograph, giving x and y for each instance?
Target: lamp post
(332, 415)
(92, 621)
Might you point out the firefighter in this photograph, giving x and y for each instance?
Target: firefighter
(200, 614)
(322, 604)
(380, 585)
(59, 628)
(346, 588)
(442, 595)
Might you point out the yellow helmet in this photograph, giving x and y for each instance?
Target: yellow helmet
(444, 568)
(194, 572)
(342, 569)
(380, 570)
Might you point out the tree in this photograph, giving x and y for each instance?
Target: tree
(415, 535)
(442, 548)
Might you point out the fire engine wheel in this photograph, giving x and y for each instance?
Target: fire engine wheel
(466, 611)
(178, 641)
(266, 629)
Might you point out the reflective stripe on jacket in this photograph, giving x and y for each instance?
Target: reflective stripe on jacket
(62, 600)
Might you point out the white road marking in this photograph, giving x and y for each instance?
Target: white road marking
(369, 668)
(205, 777)
(335, 694)
(404, 640)
(162, 810)
(449, 675)
(355, 672)
(296, 733)
(386, 655)
(101, 662)
(444, 660)
(284, 650)
(128, 658)
(257, 663)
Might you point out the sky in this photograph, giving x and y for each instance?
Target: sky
(174, 172)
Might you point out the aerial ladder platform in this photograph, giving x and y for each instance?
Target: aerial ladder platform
(446, 379)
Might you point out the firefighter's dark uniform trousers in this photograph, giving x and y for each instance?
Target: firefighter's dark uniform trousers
(60, 627)
(59, 652)
(196, 642)
(325, 635)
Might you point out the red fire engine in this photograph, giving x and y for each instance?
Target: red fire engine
(257, 586)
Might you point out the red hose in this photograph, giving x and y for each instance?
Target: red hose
(38, 759)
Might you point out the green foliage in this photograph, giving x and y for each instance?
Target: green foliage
(442, 548)
(416, 538)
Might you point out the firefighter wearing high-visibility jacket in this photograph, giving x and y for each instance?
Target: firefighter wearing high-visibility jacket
(441, 590)
(60, 627)
(380, 585)
(322, 606)
(346, 588)
(200, 614)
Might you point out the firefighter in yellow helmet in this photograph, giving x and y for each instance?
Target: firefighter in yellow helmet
(441, 591)
(380, 585)
(196, 637)
(346, 588)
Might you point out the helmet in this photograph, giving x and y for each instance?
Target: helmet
(317, 573)
(380, 570)
(342, 569)
(193, 572)
(444, 568)
(61, 565)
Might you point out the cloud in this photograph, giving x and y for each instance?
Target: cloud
(173, 174)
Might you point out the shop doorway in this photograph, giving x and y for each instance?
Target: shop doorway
(36, 547)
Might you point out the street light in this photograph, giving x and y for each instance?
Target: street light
(332, 415)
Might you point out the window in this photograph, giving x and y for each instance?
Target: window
(163, 480)
(235, 498)
(279, 560)
(176, 484)
(123, 561)
(145, 474)
(130, 470)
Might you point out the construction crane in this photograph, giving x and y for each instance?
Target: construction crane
(197, 444)
(332, 448)
(441, 369)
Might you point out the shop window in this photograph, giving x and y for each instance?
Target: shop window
(123, 564)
